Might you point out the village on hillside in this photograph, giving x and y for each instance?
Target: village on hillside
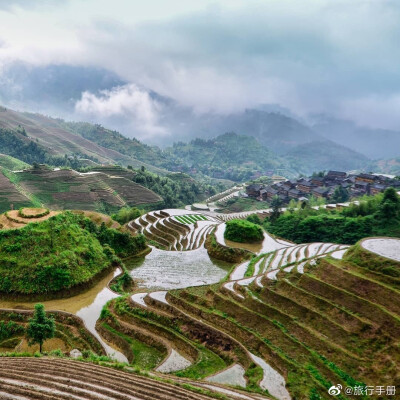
(335, 186)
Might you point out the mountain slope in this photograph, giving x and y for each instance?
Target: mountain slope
(68, 189)
(48, 135)
(324, 155)
(230, 156)
(374, 143)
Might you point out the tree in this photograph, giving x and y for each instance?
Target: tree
(340, 195)
(40, 327)
(276, 208)
(389, 209)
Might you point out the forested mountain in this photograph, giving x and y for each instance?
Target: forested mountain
(324, 155)
(51, 138)
(230, 156)
(272, 143)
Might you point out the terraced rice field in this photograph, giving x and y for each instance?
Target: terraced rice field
(186, 231)
(290, 322)
(305, 325)
(68, 189)
(385, 247)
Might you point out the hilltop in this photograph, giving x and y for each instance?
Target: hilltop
(60, 253)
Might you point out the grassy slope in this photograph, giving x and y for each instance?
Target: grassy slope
(11, 163)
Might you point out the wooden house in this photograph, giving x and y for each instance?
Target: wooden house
(320, 192)
(367, 178)
(305, 187)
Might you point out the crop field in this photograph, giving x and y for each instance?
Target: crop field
(288, 323)
(190, 218)
(177, 232)
(68, 189)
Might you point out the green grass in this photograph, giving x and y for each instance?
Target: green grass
(11, 163)
(208, 364)
(190, 218)
(145, 357)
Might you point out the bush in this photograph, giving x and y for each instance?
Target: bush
(126, 214)
(243, 231)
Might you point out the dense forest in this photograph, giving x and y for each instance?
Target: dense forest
(228, 156)
(374, 216)
(176, 189)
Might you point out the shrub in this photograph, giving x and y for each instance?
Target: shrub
(243, 231)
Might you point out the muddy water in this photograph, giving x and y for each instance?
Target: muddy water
(86, 305)
(159, 270)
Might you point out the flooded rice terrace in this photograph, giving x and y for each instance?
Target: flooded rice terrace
(159, 269)
(176, 269)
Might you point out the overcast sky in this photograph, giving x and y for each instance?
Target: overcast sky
(312, 56)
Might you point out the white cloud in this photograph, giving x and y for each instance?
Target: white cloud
(220, 55)
(377, 111)
(126, 102)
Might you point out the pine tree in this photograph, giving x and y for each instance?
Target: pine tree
(40, 327)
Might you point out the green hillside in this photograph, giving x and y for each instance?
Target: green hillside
(38, 138)
(68, 189)
(324, 155)
(230, 156)
(11, 163)
(57, 254)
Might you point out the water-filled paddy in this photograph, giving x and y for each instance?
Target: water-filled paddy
(176, 269)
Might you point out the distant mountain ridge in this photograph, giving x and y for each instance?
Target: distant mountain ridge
(229, 156)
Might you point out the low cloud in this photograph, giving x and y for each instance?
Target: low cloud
(127, 102)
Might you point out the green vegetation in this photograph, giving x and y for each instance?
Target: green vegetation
(243, 231)
(228, 156)
(190, 218)
(11, 163)
(176, 189)
(208, 363)
(16, 144)
(126, 214)
(57, 254)
(374, 216)
(40, 327)
(8, 329)
(254, 219)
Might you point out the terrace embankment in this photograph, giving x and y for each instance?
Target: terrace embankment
(319, 322)
(55, 379)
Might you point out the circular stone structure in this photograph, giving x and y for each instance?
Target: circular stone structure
(385, 247)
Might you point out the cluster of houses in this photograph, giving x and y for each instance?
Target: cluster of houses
(323, 186)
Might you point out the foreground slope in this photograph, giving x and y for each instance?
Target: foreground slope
(294, 321)
(55, 379)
